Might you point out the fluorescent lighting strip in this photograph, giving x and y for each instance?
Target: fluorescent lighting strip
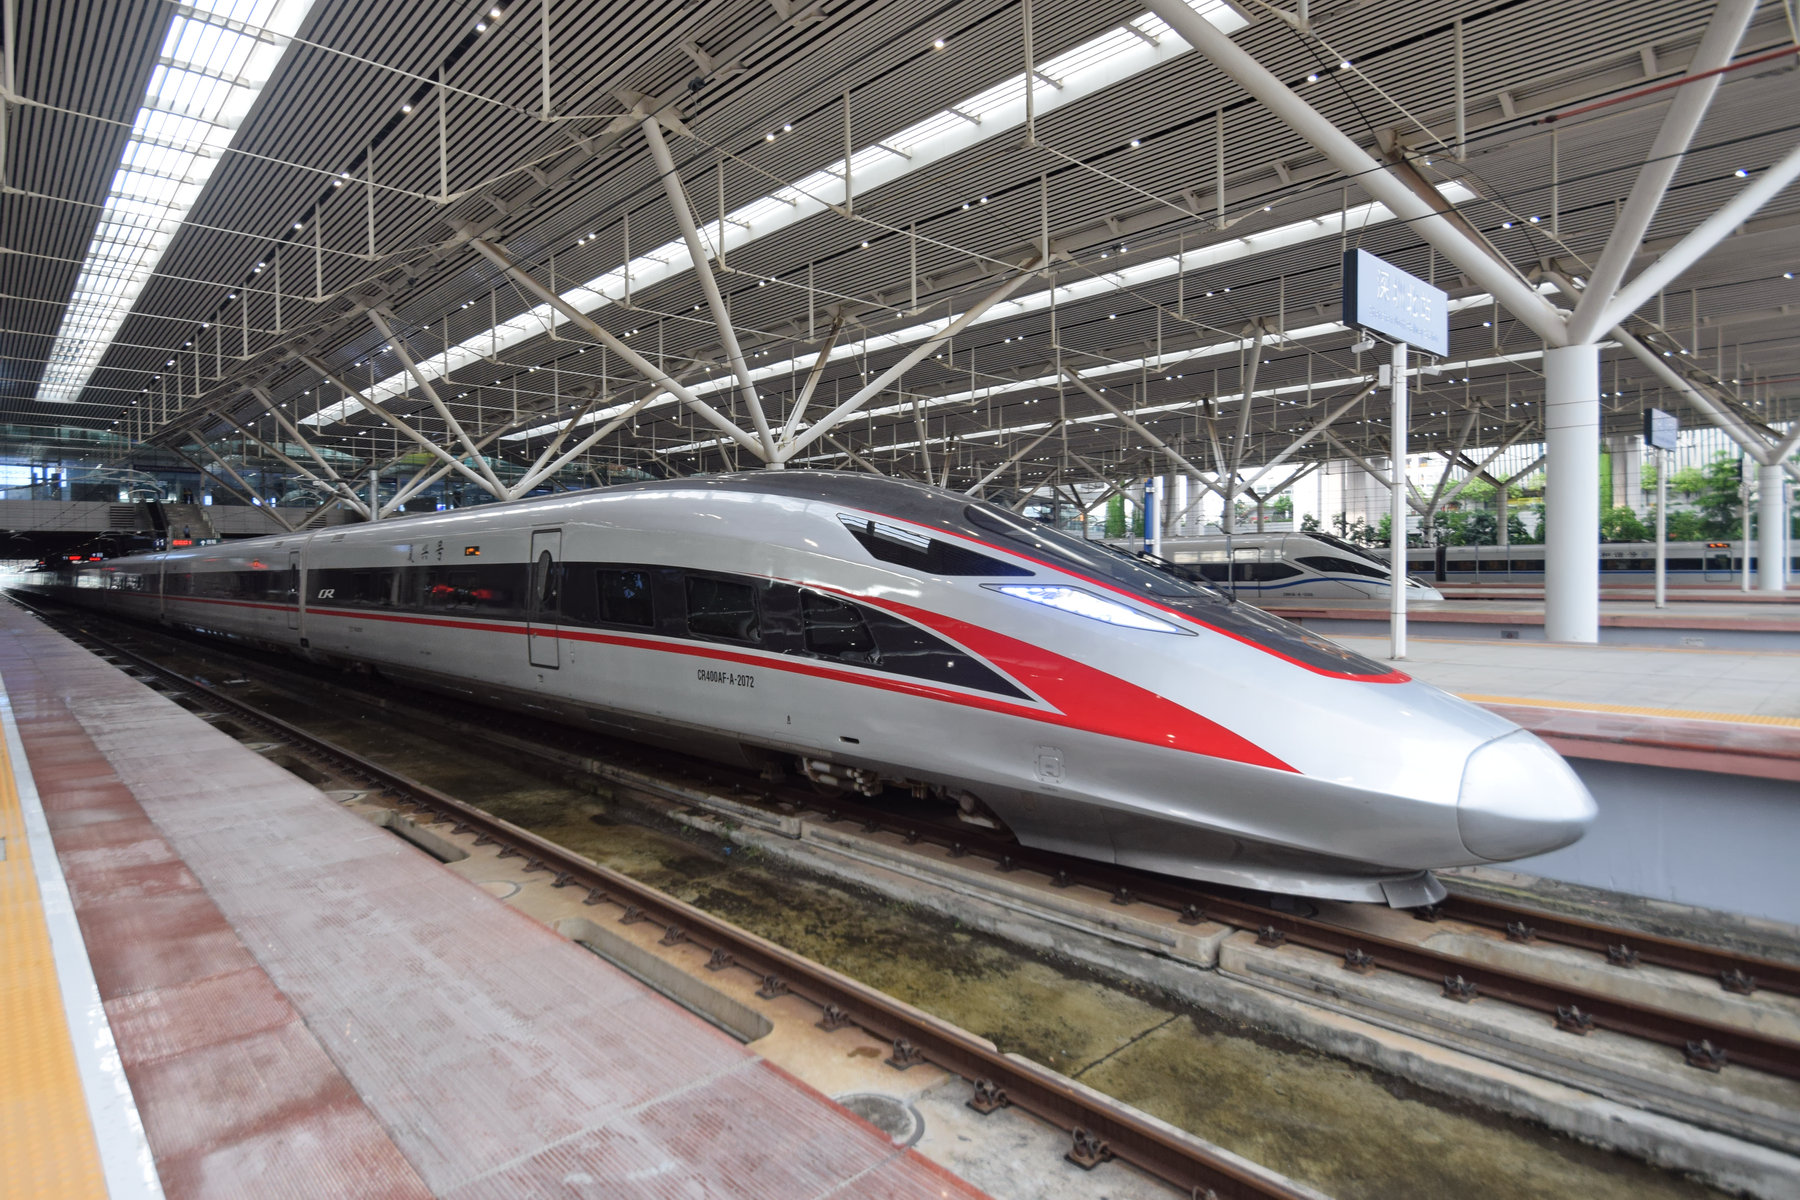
(205, 81)
(1117, 55)
(1363, 216)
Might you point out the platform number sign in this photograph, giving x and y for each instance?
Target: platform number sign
(1383, 299)
(1660, 429)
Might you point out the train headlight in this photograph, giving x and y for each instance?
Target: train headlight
(1086, 604)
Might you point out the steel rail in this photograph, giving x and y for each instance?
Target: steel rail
(1736, 971)
(1100, 1128)
(1705, 1044)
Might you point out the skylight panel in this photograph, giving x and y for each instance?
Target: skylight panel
(199, 92)
(1360, 217)
(1096, 64)
(1099, 50)
(933, 126)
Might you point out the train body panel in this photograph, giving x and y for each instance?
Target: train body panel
(1286, 566)
(1687, 564)
(878, 632)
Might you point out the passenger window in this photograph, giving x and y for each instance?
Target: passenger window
(490, 589)
(544, 578)
(625, 598)
(835, 629)
(721, 609)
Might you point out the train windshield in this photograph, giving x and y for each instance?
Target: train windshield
(1339, 544)
(1204, 604)
(1095, 558)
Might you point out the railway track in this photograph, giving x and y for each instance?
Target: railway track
(1099, 1129)
(1704, 1045)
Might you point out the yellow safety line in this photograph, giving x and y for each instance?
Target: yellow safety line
(1636, 711)
(47, 1145)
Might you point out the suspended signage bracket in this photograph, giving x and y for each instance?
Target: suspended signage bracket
(1660, 429)
(1385, 300)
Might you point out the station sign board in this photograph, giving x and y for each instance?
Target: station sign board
(1660, 429)
(1385, 300)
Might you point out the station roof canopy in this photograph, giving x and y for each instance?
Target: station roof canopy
(243, 218)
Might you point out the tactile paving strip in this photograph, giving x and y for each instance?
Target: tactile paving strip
(47, 1143)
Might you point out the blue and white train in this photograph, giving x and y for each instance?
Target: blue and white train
(1284, 566)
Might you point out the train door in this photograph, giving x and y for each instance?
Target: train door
(1718, 563)
(293, 590)
(543, 601)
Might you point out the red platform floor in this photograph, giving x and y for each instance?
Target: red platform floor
(306, 1007)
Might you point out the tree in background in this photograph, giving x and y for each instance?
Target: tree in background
(1479, 494)
(1115, 516)
(1354, 531)
(1465, 527)
(1718, 500)
(1686, 526)
(1622, 525)
(1310, 522)
(1688, 482)
(1517, 531)
(1281, 508)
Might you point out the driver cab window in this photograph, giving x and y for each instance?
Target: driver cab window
(836, 629)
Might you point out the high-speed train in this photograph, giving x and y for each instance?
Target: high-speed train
(1286, 566)
(874, 633)
(1687, 564)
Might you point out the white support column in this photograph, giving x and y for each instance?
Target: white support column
(1346, 155)
(453, 427)
(1180, 506)
(1572, 494)
(918, 353)
(709, 287)
(1397, 498)
(1771, 528)
(1729, 20)
(641, 364)
(1709, 233)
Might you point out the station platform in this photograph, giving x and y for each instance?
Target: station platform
(1692, 754)
(1714, 623)
(1731, 712)
(245, 990)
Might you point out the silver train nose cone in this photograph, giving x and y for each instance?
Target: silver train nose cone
(1519, 798)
